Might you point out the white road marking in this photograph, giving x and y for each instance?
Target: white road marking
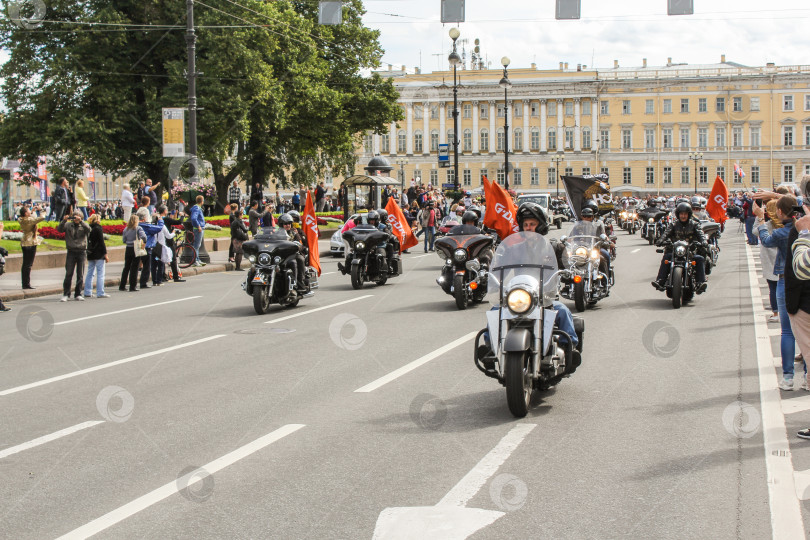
(786, 517)
(468, 486)
(141, 503)
(636, 250)
(125, 310)
(105, 366)
(48, 438)
(327, 273)
(370, 387)
(802, 480)
(318, 309)
(796, 404)
(420, 256)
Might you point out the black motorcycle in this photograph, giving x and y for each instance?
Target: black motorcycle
(589, 278)
(369, 258)
(653, 226)
(464, 275)
(271, 278)
(712, 231)
(681, 284)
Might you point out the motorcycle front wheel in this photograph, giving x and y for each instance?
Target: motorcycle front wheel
(460, 292)
(357, 278)
(261, 300)
(677, 286)
(579, 296)
(518, 383)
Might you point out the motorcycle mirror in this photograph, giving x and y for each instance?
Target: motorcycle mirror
(603, 237)
(563, 239)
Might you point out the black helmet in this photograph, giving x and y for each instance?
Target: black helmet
(695, 205)
(285, 219)
(683, 207)
(587, 212)
(592, 205)
(469, 217)
(296, 217)
(476, 210)
(373, 215)
(533, 210)
(383, 216)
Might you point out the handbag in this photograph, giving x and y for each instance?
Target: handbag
(140, 247)
(2, 265)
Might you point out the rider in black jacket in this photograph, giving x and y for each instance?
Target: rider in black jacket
(688, 229)
(468, 221)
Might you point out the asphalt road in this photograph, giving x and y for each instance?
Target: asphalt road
(642, 442)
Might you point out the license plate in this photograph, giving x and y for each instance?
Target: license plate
(259, 278)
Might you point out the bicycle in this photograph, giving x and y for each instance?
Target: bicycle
(184, 251)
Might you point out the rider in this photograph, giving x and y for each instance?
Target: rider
(589, 215)
(468, 225)
(392, 246)
(296, 262)
(684, 228)
(697, 210)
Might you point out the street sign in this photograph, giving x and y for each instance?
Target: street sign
(330, 12)
(174, 136)
(444, 154)
(452, 11)
(567, 9)
(448, 186)
(680, 7)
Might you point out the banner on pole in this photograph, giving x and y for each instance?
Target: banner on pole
(174, 136)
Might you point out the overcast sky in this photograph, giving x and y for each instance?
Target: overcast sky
(749, 32)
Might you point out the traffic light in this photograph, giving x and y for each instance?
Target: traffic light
(680, 7)
(567, 9)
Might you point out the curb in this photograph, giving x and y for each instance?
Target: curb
(114, 282)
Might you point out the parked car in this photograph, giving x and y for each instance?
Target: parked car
(336, 245)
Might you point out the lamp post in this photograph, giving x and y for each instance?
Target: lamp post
(455, 60)
(506, 84)
(401, 163)
(695, 157)
(557, 159)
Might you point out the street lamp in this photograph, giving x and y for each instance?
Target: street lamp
(401, 163)
(455, 60)
(695, 157)
(557, 159)
(506, 84)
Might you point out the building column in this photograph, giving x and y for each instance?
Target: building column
(392, 139)
(426, 128)
(526, 114)
(560, 124)
(475, 141)
(442, 123)
(577, 127)
(409, 128)
(375, 144)
(493, 135)
(595, 126)
(543, 127)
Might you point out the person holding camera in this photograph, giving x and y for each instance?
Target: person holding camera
(76, 232)
(28, 243)
(3, 254)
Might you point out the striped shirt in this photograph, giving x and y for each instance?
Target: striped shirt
(801, 257)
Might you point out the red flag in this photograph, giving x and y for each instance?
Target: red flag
(310, 223)
(716, 207)
(501, 213)
(400, 225)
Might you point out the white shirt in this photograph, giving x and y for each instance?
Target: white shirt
(127, 200)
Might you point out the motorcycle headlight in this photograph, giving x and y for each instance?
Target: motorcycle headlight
(277, 260)
(359, 245)
(595, 254)
(252, 259)
(680, 251)
(519, 301)
(581, 252)
(460, 255)
(264, 258)
(651, 220)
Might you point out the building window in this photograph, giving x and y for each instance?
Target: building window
(434, 112)
(569, 171)
(807, 135)
(650, 175)
(787, 103)
(649, 139)
(737, 178)
(684, 105)
(500, 140)
(807, 102)
(720, 104)
(667, 175)
(418, 112)
(551, 176)
(721, 172)
(667, 106)
(484, 140)
(703, 174)
(535, 139)
(626, 139)
(434, 177)
(451, 138)
(755, 174)
(517, 177)
(518, 110)
(702, 107)
(467, 177)
(569, 108)
(720, 137)
(484, 110)
(482, 176)
(500, 110)
(386, 143)
(604, 108)
(787, 173)
(736, 104)
(552, 108)
(467, 110)
(535, 177)
(451, 175)
(625, 106)
(755, 131)
(685, 138)
(604, 139)
(703, 137)
(586, 137)
(569, 138)
(417, 142)
(627, 176)
(535, 109)
(500, 177)
(737, 136)
(434, 140)
(787, 135)
(754, 104)
(518, 140)
(467, 140)
(368, 144)
(604, 170)
(552, 138)
(401, 142)
(685, 175)
(649, 106)
(667, 136)
(586, 107)
(417, 176)
(586, 171)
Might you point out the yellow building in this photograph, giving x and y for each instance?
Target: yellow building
(640, 125)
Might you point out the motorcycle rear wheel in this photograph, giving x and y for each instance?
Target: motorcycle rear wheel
(460, 292)
(677, 287)
(357, 278)
(579, 296)
(518, 383)
(261, 300)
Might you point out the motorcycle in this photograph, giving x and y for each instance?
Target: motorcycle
(445, 226)
(270, 279)
(652, 226)
(464, 275)
(522, 346)
(681, 284)
(586, 282)
(712, 231)
(631, 222)
(369, 258)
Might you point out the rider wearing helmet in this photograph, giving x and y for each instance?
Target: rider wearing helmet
(590, 214)
(468, 225)
(688, 229)
(297, 261)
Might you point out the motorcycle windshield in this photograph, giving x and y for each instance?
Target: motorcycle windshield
(526, 258)
(584, 228)
(272, 236)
